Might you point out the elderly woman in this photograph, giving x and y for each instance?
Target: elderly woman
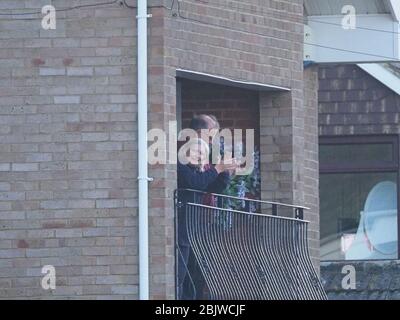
(195, 173)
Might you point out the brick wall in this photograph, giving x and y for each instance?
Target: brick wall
(219, 39)
(68, 149)
(68, 153)
(249, 41)
(234, 108)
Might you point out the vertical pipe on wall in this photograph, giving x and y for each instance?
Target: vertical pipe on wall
(142, 151)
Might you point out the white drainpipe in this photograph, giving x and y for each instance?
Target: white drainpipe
(142, 151)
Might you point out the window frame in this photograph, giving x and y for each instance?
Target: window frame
(367, 167)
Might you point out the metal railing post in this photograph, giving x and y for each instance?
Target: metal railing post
(274, 210)
(299, 213)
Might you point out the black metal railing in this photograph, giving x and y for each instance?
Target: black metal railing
(249, 252)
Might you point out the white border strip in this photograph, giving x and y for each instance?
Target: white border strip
(382, 74)
(395, 8)
(200, 76)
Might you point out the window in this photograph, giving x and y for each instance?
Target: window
(359, 178)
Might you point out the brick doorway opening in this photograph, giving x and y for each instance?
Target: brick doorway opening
(234, 108)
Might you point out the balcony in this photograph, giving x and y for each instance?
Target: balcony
(256, 251)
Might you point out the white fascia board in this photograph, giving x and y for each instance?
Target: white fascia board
(375, 39)
(383, 75)
(206, 77)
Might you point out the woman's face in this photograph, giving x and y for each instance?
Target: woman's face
(198, 154)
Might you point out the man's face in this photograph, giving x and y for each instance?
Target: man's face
(211, 123)
(212, 127)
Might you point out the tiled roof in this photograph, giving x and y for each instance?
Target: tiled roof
(375, 280)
